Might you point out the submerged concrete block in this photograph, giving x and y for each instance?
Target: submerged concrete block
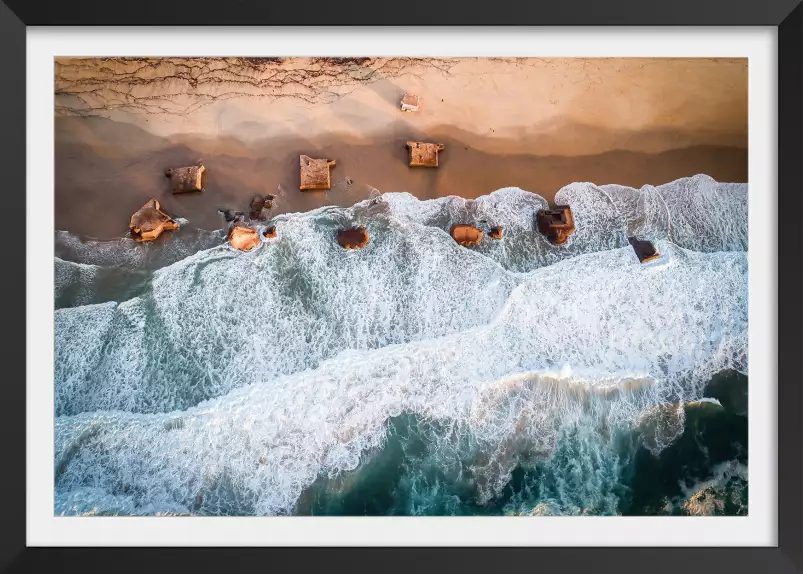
(243, 238)
(645, 250)
(354, 238)
(466, 235)
(556, 224)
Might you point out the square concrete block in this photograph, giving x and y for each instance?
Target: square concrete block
(186, 179)
(424, 154)
(410, 102)
(315, 173)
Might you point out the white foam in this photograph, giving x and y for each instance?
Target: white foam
(695, 213)
(126, 253)
(257, 448)
(80, 334)
(311, 348)
(74, 281)
(220, 319)
(88, 501)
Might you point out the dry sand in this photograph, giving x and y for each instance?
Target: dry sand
(532, 123)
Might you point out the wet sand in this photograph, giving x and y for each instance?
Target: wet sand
(534, 124)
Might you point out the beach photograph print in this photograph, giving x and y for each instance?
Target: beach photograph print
(400, 286)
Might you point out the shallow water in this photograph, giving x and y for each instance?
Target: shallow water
(414, 376)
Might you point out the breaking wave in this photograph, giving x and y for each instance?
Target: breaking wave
(192, 378)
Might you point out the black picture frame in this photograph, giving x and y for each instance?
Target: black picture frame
(787, 15)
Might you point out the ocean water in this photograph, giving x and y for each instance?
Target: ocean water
(415, 376)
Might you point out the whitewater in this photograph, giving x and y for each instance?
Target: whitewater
(191, 378)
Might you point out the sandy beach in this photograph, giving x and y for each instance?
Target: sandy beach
(400, 357)
(531, 123)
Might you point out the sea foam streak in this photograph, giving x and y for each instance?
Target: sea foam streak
(296, 355)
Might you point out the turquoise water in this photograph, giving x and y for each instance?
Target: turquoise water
(414, 376)
(585, 475)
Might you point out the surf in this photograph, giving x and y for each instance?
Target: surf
(230, 383)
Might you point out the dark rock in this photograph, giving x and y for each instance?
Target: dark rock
(228, 215)
(645, 251)
(730, 389)
(232, 216)
(556, 224)
(257, 204)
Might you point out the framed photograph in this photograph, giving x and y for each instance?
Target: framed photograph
(407, 290)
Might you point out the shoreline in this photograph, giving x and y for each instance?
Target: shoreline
(536, 124)
(97, 191)
(431, 372)
(345, 196)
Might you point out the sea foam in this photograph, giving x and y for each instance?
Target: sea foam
(234, 380)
